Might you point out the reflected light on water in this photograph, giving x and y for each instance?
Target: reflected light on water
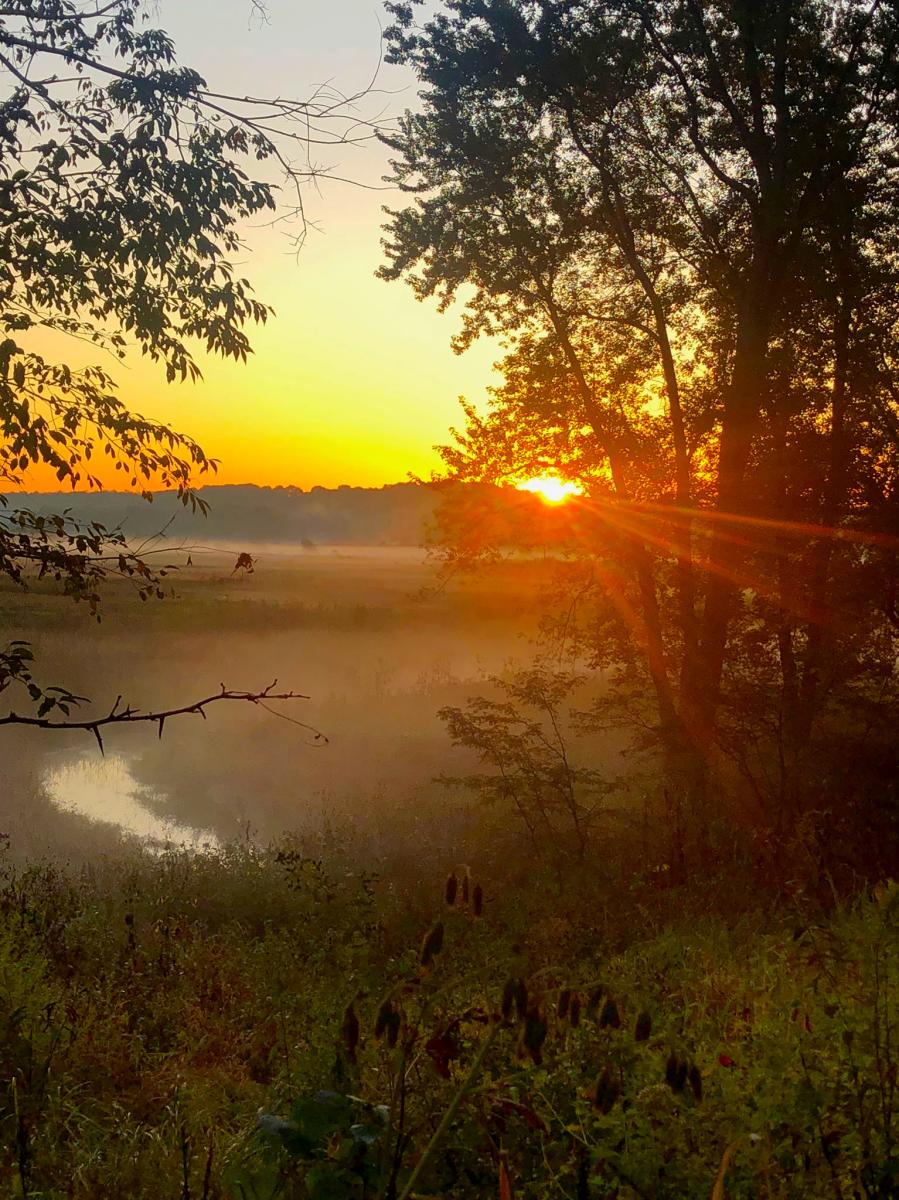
(105, 790)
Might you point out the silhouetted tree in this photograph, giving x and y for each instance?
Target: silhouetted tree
(679, 215)
(123, 179)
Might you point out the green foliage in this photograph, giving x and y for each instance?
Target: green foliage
(526, 742)
(326, 1150)
(173, 1025)
(680, 221)
(123, 184)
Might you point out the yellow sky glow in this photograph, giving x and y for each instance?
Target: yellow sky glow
(353, 381)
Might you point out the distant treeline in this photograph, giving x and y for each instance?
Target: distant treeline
(396, 515)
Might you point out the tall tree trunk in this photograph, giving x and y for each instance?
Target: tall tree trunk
(742, 404)
(819, 634)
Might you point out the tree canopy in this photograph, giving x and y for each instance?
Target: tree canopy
(680, 218)
(124, 179)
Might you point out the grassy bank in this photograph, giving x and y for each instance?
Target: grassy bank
(193, 1027)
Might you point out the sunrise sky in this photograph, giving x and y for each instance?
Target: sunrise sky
(354, 380)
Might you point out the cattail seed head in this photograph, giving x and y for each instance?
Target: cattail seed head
(508, 999)
(676, 1071)
(452, 887)
(477, 900)
(564, 1003)
(382, 1020)
(432, 945)
(606, 1093)
(671, 1071)
(534, 1035)
(643, 1028)
(393, 1029)
(695, 1078)
(574, 1012)
(610, 1017)
(349, 1032)
(521, 999)
(594, 1000)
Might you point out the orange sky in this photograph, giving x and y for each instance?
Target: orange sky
(354, 380)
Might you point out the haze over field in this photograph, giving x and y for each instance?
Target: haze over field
(396, 515)
(360, 630)
(555, 861)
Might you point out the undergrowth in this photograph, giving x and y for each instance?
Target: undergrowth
(282, 1024)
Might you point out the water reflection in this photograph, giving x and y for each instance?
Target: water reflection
(105, 790)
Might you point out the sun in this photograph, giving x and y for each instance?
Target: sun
(550, 488)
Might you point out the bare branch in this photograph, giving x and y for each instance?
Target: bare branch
(132, 716)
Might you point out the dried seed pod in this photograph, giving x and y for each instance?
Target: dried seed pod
(610, 1017)
(564, 1003)
(393, 1029)
(695, 1077)
(383, 1019)
(643, 1028)
(671, 1068)
(574, 1013)
(452, 887)
(432, 945)
(607, 1091)
(508, 999)
(349, 1032)
(521, 999)
(477, 900)
(534, 1035)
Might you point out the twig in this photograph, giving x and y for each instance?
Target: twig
(450, 1114)
(130, 716)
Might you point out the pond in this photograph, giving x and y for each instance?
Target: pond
(105, 790)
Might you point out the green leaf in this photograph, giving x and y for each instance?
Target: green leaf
(327, 1182)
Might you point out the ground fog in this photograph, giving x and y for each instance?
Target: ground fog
(370, 635)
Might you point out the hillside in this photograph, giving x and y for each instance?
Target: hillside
(394, 515)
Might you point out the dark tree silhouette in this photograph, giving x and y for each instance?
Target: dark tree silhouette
(681, 219)
(123, 180)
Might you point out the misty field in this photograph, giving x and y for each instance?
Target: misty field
(361, 980)
(368, 634)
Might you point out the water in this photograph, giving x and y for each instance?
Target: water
(105, 790)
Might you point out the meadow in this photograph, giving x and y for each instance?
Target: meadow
(363, 632)
(370, 985)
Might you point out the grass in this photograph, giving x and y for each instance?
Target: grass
(153, 1007)
(260, 1023)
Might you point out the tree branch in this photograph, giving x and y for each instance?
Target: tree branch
(130, 716)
